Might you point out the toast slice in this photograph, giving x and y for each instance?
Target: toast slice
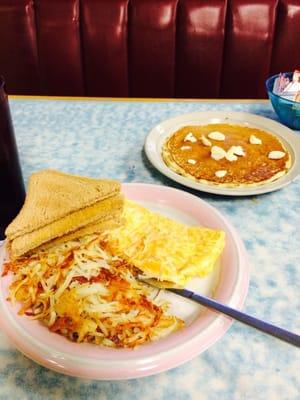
(53, 195)
(95, 227)
(109, 208)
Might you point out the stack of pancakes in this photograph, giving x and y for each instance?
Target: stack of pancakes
(61, 207)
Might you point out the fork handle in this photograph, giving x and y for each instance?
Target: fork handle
(257, 323)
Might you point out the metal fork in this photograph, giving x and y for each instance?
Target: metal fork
(266, 327)
(257, 323)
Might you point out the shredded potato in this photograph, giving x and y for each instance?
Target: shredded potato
(80, 290)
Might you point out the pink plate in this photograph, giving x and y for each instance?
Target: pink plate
(203, 327)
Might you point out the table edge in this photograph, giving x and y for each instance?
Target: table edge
(134, 99)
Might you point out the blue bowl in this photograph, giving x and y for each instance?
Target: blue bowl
(288, 111)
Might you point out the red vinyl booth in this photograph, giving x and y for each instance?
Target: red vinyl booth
(147, 48)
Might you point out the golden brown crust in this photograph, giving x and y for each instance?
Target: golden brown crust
(53, 195)
(255, 168)
(101, 210)
(95, 227)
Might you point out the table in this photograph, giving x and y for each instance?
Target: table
(105, 138)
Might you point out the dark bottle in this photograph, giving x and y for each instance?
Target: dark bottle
(12, 191)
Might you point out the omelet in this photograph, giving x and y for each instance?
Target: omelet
(164, 249)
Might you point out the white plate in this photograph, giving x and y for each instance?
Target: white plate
(156, 138)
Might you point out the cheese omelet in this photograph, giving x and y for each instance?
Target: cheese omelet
(164, 249)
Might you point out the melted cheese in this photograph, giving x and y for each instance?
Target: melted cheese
(165, 249)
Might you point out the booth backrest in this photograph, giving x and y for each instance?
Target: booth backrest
(147, 48)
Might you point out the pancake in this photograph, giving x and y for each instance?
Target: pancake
(239, 161)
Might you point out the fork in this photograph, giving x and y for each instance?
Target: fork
(266, 327)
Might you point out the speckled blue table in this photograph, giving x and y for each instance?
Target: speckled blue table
(105, 138)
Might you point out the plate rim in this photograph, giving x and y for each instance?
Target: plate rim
(219, 325)
(153, 153)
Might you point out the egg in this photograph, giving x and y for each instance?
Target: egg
(165, 249)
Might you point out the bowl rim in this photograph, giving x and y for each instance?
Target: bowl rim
(292, 102)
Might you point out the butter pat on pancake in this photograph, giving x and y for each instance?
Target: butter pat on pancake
(249, 166)
(162, 248)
